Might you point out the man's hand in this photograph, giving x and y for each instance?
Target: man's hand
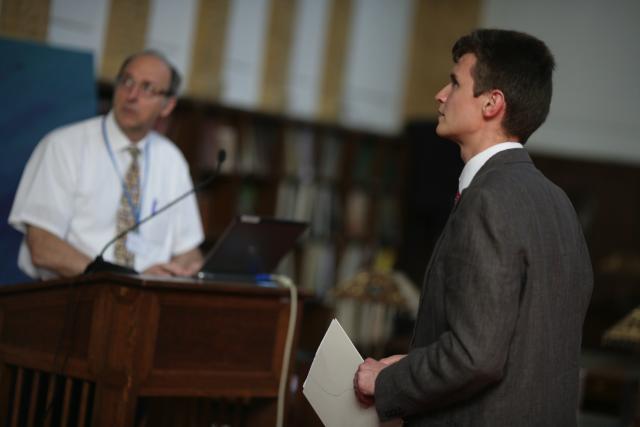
(364, 381)
(186, 264)
(167, 269)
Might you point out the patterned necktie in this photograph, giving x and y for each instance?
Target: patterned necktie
(125, 217)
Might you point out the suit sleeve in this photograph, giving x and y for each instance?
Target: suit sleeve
(482, 271)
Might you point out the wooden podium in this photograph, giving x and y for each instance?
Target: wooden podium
(87, 350)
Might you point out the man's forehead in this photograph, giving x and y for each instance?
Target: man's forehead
(464, 65)
(465, 60)
(148, 66)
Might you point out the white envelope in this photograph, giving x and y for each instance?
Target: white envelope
(329, 384)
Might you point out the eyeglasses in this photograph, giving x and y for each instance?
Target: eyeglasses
(147, 90)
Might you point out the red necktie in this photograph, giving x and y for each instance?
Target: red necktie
(457, 199)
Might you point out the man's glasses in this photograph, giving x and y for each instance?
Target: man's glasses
(147, 90)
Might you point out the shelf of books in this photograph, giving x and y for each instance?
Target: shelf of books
(347, 184)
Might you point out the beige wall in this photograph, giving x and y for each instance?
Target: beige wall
(25, 19)
(436, 25)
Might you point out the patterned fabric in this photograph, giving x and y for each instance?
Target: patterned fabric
(125, 216)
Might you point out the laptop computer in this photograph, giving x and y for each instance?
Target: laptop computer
(250, 246)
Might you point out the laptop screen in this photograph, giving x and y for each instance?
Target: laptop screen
(252, 245)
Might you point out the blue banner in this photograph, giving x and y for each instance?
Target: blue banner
(42, 88)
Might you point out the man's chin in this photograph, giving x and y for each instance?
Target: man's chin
(127, 121)
(132, 129)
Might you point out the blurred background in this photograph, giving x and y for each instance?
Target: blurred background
(326, 111)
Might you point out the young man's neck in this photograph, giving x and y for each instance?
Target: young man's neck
(469, 150)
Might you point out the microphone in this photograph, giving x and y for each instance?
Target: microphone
(100, 265)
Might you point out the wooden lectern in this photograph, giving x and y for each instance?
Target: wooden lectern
(87, 350)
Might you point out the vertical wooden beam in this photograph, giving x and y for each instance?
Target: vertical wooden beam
(6, 375)
(66, 402)
(84, 403)
(25, 19)
(208, 49)
(126, 31)
(53, 379)
(17, 397)
(122, 353)
(335, 52)
(33, 401)
(438, 24)
(277, 52)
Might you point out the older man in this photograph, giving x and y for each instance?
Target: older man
(90, 180)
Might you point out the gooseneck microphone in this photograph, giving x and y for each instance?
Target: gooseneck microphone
(100, 265)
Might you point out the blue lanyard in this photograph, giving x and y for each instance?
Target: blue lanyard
(135, 209)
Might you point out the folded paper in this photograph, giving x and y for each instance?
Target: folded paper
(329, 384)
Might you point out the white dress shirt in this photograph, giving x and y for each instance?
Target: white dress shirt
(71, 187)
(474, 164)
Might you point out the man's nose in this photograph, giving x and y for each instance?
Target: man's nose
(441, 96)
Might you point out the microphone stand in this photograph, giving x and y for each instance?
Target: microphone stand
(100, 265)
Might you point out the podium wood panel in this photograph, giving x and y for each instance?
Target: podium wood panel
(139, 337)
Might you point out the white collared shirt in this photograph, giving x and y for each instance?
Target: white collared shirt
(474, 164)
(71, 189)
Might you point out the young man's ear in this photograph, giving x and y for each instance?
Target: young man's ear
(494, 104)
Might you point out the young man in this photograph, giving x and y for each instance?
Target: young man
(87, 181)
(498, 334)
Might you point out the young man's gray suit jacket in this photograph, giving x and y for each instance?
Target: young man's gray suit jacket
(498, 334)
